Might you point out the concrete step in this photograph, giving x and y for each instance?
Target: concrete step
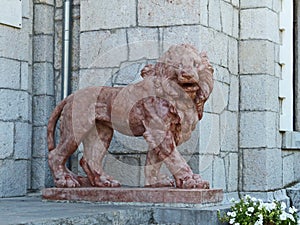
(34, 211)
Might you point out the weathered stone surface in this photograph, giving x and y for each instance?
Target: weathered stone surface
(229, 131)
(43, 82)
(219, 168)
(40, 174)
(16, 211)
(227, 18)
(43, 19)
(232, 168)
(256, 3)
(42, 106)
(49, 2)
(20, 39)
(15, 105)
(288, 168)
(259, 23)
(153, 195)
(210, 134)
(219, 97)
(26, 77)
(222, 74)
(294, 195)
(95, 77)
(234, 91)
(262, 127)
(181, 34)
(233, 56)
(204, 216)
(39, 142)
(6, 139)
(103, 48)
(214, 16)
(22, 141)
(257, 57)
(115, 14)
(143, 43)
(9, 73)
(258, 169)
(204, 12)
(128, 73)
(13, 178)
(259, 92)
(209, 39)
(126, 169)
(43, 48)
(163, 13)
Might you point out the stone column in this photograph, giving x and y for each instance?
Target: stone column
(261, 162)
(15, 105)
(43, 89)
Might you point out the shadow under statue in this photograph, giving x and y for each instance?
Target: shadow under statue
(164, 108)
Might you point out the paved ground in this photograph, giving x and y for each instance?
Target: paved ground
(32, 210)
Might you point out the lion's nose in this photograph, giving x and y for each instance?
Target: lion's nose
(188, 77)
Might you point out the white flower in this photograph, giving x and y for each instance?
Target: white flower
(292, 210)
(283, 206)
(270, 206)
(283, 216)
(259, 222)
(290, 216)
(233, 214)
(251, 209)
(247, 196)
(231, 221)
(254, 199)
(236, 224)
(260, 216)
(248, 214)
(232, 200)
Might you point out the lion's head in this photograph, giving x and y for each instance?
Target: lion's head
(187, 67)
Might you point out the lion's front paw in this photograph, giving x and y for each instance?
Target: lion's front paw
(160, 181)
(106, 181)
(195, 181)
(68, 180)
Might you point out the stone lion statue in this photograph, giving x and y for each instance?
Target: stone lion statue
(164, 108)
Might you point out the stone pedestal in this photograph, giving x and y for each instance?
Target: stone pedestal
(143, 195)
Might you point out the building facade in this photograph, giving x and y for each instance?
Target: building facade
(247, 141)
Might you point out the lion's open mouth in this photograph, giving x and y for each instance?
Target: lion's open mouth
(190, 87)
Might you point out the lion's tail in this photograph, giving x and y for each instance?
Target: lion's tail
(52, 123)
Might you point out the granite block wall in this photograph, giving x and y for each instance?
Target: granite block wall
(43, 89)
(15, 105)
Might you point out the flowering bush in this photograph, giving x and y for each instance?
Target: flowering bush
(252, 211)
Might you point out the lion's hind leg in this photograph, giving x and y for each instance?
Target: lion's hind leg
(95, 146)
(63, 177)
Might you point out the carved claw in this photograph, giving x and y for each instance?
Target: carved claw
(67, 180)
(96, 179)
(193, 182)
(161, 181)
(106, 181)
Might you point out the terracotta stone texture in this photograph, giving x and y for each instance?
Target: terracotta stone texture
(145, 195)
